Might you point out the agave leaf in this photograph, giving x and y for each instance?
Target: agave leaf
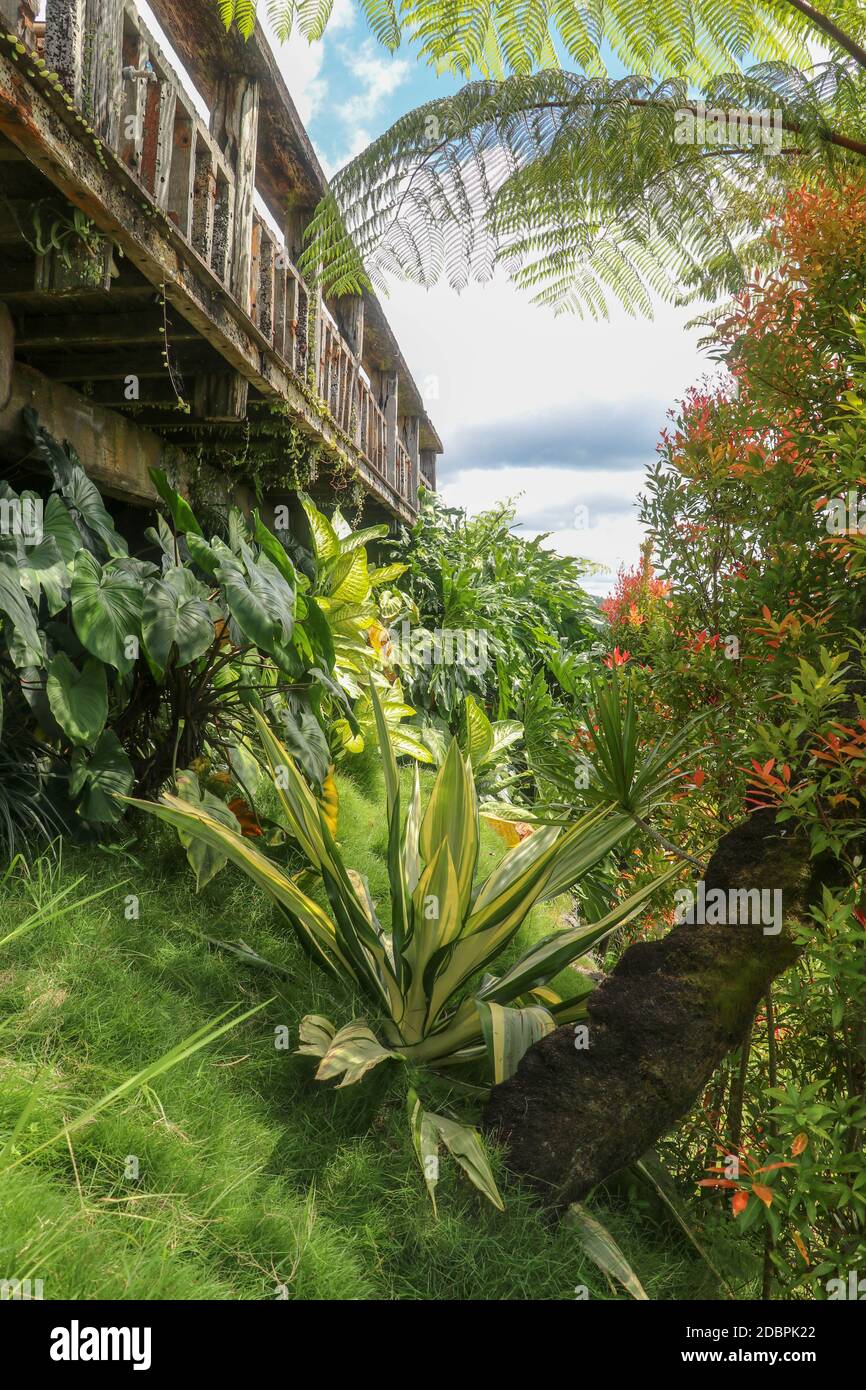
(508, 1033)
(546, 958)
(316, 1035)
(452, 816)
(464, 1143)
(601, 1247)
(352, 1052)
(425, 1141)
(313, 926)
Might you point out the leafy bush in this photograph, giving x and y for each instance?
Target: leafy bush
(117, 671)
(422, 978)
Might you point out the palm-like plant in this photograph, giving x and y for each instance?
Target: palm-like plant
(430, 1002)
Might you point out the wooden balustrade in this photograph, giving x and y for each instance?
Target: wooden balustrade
(203, 179)
(372, 430)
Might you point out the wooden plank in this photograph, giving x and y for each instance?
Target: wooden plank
(390, 386)
(64, 43)
(159, 108)
(220, 396)
(80, 330)
(266, 285)
(164, 143)
(234, 125)
(181, 180)
(223, 232)
(116, 453)
(411, 440)
(204, 192)
(350, 316)
(103, 65)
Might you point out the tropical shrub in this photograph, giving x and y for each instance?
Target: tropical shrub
(426, 976)
(117, 671)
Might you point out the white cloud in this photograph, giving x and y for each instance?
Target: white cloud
(301, 62)
(497, 359)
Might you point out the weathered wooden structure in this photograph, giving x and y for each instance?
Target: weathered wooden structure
(151, 306)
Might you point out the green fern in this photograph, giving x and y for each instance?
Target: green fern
(578, 186)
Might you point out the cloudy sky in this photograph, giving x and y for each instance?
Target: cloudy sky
(560, 414)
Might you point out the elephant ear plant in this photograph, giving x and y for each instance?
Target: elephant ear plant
(430, 1003)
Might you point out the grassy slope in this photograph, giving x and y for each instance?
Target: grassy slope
(250, 1174)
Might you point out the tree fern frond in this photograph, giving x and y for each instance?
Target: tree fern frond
(580, 188)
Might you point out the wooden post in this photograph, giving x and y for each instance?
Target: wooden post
(298, 219)
(102, 93)
(181, 179)
(64, 43)
(411, 437)
(204, 192)
(220, 396)
(428, 468)
(350, 316)
(235, 124)
(389, 390)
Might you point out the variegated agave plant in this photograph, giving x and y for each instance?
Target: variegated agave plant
(431, 1002)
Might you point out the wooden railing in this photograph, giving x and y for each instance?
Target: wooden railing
(203, 178)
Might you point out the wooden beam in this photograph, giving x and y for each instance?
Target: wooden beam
(103, 66)
(350, 316)
(427, 463)
(109, 330)
(116, 453)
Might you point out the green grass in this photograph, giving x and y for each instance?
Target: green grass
(251, 1175)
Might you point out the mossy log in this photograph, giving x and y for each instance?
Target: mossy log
(658, 1027)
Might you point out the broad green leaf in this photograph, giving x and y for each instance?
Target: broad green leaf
(175, 613)
(44, 569)
(14, 604)
(78, 699)
(106, 611)
(326, 542)
(100, 777)
(181, 513)
(425, 1141)
(57, 523)
(205, 861)
(479, 732)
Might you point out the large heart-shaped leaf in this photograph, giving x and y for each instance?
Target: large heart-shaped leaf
(44, 572)
(99, 778)
(57, 522)
(13, 602)
(78, 699)
(182, 515)
(176, 613)
(106, 611)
